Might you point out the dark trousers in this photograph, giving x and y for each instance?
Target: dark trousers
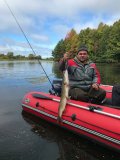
(93, 96)
(116, 95)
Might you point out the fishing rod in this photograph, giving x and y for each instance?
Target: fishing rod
(28, 42)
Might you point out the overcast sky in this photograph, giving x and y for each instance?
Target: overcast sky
(45, 22)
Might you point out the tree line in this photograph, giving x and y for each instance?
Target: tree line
(11, 56)
(103, 43)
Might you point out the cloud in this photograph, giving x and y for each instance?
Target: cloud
(24, 49)
(37, 37)
(45, 22)
(61, 29)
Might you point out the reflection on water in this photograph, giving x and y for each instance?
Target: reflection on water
(71, 147)
(32, 72)
(109, 73)
(10, 65)
(29, 71)
(55, 69)
(37, 80)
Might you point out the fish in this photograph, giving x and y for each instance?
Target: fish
(64, 95)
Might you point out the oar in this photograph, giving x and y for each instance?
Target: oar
(40, 96)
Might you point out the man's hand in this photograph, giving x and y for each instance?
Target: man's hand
(65, 57)
(95, 86)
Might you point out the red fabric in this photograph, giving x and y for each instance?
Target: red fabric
(71, 62)
(97, 72)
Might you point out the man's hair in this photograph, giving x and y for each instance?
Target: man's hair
(82, 48)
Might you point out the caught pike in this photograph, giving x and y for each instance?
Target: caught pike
(64, 95)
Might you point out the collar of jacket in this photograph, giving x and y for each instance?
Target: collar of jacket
(80, 63)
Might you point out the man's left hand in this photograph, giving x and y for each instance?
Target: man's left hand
(95, 86)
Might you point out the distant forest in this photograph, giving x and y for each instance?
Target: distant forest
(103, 43)
(11, 56)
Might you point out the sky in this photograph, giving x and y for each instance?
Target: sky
(45, 22)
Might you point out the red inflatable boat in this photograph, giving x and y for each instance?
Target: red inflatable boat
(98, 122)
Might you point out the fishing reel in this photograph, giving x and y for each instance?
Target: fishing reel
(56, 88)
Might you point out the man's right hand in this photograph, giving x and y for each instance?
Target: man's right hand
(65, 57)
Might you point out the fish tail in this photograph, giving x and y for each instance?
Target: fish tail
(59, 119)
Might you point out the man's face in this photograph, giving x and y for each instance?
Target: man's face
(82, 56)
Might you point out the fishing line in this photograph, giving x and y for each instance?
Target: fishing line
(28, 41)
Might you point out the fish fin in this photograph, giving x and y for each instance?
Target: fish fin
(68, 98)
(65, 83)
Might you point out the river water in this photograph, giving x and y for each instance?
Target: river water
(23, 136)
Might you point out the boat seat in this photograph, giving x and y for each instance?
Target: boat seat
(56, 90)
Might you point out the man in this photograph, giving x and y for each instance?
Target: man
(84, 77)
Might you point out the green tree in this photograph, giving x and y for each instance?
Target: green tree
(103, 43)
(114, 42)
(2, 56)
(59, 50)
(31, 56)
(10, 55)
(71, 41)
(38, 57)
